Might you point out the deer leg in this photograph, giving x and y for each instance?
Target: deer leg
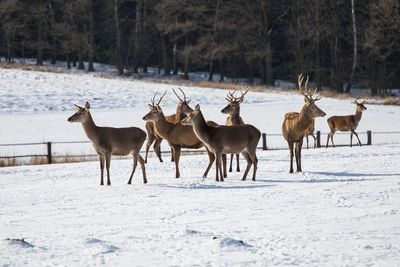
(237, 163)
(291, 156)
(354, 132)
(211, 158)
(102, 159)
(135, 156)
(157, 148)
(141, 162)
(248, 159)
(108, 161)
(150, 140)
(172, 157)
(315, 140)
(307, 140)
(327, 140)
(254, 159)
(218, 166)
(224, 164)
(221, 177)
(177, 154)
(351, 139)
(230, 165)
(298, 154)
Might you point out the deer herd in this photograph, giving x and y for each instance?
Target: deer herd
(188, 128)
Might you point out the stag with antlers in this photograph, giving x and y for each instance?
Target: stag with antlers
(346, 123)
(177, 135)
(183, 106)
(233, 110)
(295, 124)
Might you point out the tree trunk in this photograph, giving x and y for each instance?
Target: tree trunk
(91, 37)
(317, 47)
(39, 56)
(81, 66)
(136, 49)
(165, 58)
(221, 70)
(174, 67)
(353, 69)
(120, 66)
(53, 38)
(186, 67)
(211, 71)
(268, 65)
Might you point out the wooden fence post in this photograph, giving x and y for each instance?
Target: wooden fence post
(369, 138)
(264, 141)
(318, 139)
(49, 161)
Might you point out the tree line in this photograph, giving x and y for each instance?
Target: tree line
(340, 43)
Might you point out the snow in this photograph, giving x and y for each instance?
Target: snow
(342, 210)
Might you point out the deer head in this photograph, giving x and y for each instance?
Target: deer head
(192, 116)
(360, 106)
(183, 105)
(234, 102)
(155, 109)
(310, 108)
(81, 115)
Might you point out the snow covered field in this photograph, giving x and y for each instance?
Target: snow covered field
(342, 210)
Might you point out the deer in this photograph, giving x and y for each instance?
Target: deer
(226, 140)
(109, 141)
(346, 123)
(152, 135)
(233, 110)
(310, 131)
(295, 124)
(176, 134)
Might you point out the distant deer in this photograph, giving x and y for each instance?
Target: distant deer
(310, 131)
(152, 135)
(233, 110)
(109, 141)
(295, 124)
(346, 123)
(177, 135)
(226, 140)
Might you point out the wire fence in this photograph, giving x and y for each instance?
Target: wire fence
(268, 142)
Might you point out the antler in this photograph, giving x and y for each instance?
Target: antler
(159, 101)
(177, 95)
(242, 96)
(230, 96)
(309, 93)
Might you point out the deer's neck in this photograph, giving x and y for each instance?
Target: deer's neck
(305, 119)
(90, 128)
(179, 115)
(201, 129)
(357, 116)
(163, 127)
(236, 119)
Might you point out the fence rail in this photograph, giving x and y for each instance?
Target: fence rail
(50, 156)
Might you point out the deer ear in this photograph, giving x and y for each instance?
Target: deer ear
(188, 101)
(77, 107)
(355, 102)
(159, 108)
(197, 107)
(87, 105)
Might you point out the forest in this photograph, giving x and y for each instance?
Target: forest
(342, 44)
